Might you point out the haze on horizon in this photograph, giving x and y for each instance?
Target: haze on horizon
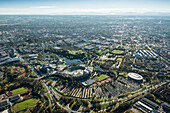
(85, 7)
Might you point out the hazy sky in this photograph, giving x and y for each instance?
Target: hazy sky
(83, 6)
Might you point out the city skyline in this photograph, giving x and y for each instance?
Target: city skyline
(82, 7)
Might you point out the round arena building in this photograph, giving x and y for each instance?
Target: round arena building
(135, 76)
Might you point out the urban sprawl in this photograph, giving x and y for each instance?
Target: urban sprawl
(84, 64)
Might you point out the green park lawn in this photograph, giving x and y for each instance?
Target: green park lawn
(27, 103)
(75, 52)
(115, 72)
(19, 90)
(102, 51)
(101, 77)
(107, 50)
(48, 96)
(100, 62)
(122, 73)
(119, 59)
(118, 52)
(99, 51)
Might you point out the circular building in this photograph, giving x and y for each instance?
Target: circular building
(135, 76)
(77, 71)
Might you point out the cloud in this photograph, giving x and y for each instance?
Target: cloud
(42, 7)
(51, 10)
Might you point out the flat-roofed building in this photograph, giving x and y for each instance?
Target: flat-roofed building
(88, 82)
(15, 97)
(165, 107)
(143, 107)
(5, 111)
(149, 103)
(4, 103)
(3, 96)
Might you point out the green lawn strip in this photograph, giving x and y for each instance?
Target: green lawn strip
(45, 62)
(63, 65)
(99, 51)
(45, 89)
(11, 84)
(158, 100)
(57, 91)
(12, 71)
(74, 52)
(119, 59)
(115, 72)
(107, 50)
(117, 52)
(27, 103)
(101, 62)
(49, 96)
(26, 111)
(121, 73)
(102, 51)
(19, 90)
(34, 75)
(101, 77)
(104, 106)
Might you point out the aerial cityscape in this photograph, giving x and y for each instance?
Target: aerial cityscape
(84, 62)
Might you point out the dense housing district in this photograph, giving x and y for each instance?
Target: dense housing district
(67, 64)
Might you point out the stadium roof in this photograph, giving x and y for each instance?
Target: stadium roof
(135, 76)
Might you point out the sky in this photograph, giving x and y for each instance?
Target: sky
(84, 7)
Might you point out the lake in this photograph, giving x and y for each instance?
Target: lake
(69, 61)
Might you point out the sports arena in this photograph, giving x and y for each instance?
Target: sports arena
(135, 76)
(77, 71)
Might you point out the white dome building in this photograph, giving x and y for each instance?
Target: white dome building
(135, 76)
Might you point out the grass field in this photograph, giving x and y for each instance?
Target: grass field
(19, 90)
(49, 96)
(74, 52)
(119, 59)
(115, 72)
(27, 111)
(118, 52)
(27, 103)
(107, 50)
(102, 51)
(100, 62)
(101, 77)
(122, 73)
(99, 51)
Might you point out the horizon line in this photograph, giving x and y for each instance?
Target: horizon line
(162, 14)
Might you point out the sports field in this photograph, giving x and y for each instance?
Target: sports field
(19, 90)
(27, 103)
(101, 77)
